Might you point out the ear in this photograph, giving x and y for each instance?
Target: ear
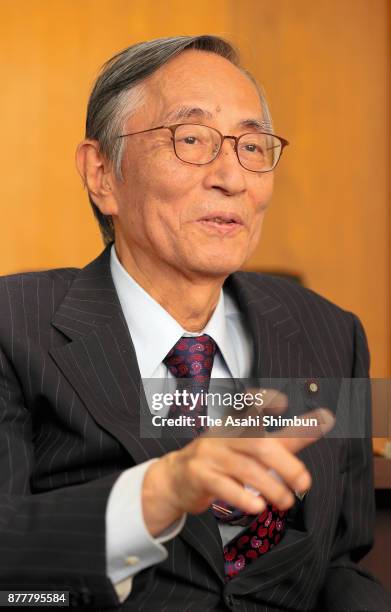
(97, 176)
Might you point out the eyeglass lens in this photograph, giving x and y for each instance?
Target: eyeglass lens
(200, 144)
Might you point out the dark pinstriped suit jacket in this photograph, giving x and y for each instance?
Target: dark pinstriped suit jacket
(69, 420)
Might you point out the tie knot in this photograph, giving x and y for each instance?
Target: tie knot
(192, 357)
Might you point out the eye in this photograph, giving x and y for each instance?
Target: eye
(253, 148)
(189, 140)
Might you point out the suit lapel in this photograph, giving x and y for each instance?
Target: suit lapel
(274, 331)
(100, 361)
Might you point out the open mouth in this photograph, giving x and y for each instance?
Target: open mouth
(222, 221)
(219, 220)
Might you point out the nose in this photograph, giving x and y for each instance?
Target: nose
(228, 144)
(225, 172)
(228, 139)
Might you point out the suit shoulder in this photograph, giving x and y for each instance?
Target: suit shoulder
(29, 291)
(28, 280)
(322, 327)
(296, 297)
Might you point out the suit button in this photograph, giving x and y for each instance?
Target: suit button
(230, 601)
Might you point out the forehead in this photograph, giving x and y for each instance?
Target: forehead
(206, 80)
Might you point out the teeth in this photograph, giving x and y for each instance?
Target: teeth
(219, 220)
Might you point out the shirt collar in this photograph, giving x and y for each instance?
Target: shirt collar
(154, 331)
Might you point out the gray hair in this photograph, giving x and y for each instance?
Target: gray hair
(118, 92)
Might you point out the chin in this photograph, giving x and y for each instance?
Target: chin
(218, 266)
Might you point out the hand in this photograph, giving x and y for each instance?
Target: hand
(209, 468)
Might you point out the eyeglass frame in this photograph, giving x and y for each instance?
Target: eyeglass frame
(236, 139)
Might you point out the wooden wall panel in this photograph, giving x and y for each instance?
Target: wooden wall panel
(325, 66)
(326, 69)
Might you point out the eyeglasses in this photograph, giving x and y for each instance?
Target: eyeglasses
(200, 144)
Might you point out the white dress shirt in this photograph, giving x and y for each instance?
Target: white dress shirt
(129, 546)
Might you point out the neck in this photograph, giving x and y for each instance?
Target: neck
(189, 298)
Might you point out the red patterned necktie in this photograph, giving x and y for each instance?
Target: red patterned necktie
(192, 358)
(262, 533)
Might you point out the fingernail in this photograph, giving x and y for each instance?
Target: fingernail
(325, 417)
(303, 482)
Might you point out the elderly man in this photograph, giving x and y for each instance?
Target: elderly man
(178, 162)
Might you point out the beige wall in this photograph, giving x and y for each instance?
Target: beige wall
(325, 66)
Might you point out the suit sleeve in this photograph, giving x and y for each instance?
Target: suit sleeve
(348, 587)
(53, 540)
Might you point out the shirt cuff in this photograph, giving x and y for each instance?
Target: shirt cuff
(130, 548)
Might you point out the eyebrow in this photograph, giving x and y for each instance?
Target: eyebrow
(190, 112)
(255, 124)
